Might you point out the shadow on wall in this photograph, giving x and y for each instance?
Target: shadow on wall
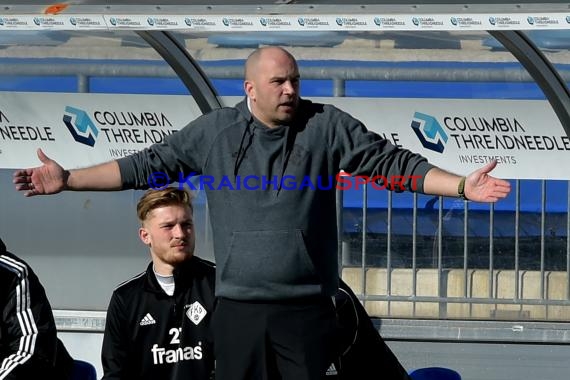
(544, 39)
(255, 39)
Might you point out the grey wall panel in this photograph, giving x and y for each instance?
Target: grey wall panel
(484, 361)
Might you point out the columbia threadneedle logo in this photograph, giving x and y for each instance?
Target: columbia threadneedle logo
(147, 320)
(429, 132)
(80, 126)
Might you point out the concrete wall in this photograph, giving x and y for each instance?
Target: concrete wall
(487, 361)
(479, 287)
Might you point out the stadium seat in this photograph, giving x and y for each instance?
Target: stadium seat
(83, 370)
(434, 373)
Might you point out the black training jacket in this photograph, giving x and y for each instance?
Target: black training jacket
(363, 353)
(29, 348)
(151, 335)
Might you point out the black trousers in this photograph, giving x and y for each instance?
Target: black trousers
(293, 340)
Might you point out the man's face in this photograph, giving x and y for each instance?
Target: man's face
(273, 88)
(169, 232)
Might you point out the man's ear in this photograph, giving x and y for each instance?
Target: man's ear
(144, 236)
(249, 90)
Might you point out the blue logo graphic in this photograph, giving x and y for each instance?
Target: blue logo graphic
(416, 21)
(301, 21)
(568, 19)
(1, 21)
(429, 131)
(492, 20)
(80, 126)
(378, 21)
(113, 21)
(453, 21)
(188, 21)
(37, 21)
(263, 21)
(530, 20)
(150, 21)
(226, 22)
(72, 21)
(339, 21)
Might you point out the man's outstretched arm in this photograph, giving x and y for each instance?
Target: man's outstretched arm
(478, 186)
(52, 178)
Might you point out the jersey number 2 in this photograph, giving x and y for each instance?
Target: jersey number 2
(175, 332)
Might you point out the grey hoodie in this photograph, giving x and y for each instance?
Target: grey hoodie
(273, 239)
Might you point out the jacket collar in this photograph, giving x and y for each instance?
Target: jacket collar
(183, 275)
(244, 110)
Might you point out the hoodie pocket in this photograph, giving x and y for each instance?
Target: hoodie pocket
(268, 259)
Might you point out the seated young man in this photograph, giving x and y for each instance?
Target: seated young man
(158, 321)
(29, 348)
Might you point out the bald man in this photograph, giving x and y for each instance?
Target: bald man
(274, 158)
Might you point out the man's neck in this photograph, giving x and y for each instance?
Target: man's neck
(166, 282)
(162, 269)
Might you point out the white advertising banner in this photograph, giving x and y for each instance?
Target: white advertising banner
(55, 22)
(291, 22)
(82, 129)
(461, 135)
(524, 136)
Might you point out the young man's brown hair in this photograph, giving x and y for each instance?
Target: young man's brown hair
(169, 196)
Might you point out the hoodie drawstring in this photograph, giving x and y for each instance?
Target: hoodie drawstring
(241, 151)
(288, 142)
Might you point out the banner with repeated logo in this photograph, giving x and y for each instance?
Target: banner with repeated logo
(459, 135)
(52, 22)
(142, 22)
(288, 22)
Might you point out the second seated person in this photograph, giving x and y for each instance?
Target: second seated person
(158, 321)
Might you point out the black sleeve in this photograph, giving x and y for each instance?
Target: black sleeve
(29, 343)
(365, 355)
(115, 342)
